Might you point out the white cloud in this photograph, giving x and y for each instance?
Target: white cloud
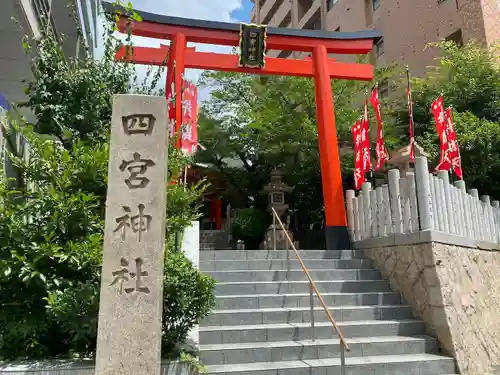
(212, 10)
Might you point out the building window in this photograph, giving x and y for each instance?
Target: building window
(316, 25)
(42, 9)
(330, 4)
(379, 47)
(456, 37)
(376, 4)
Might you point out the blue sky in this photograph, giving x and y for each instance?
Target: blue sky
(212, 10)
(243, 14)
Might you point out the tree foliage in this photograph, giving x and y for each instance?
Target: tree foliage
(51, 227)
(468, 77)
(267, 122)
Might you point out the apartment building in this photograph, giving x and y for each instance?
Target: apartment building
(408, 25)
(33, 16)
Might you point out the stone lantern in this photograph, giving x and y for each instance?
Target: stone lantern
(401, 158)
(275, 191)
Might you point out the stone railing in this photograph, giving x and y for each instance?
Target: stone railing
(420, 202)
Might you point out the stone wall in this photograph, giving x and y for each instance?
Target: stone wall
(456, 291)
(214, 240)
(83, 367)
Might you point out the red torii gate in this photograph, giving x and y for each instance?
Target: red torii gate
(182, 30)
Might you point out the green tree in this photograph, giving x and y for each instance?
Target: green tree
(271, 121)
(468, 77)
(51, 227)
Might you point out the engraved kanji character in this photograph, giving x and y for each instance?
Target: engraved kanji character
(138, 124)
(136, 167)
(138, 224)
(120, 276)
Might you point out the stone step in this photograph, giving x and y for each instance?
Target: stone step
(256, 301)
(303, 315)
(213, 335)
(294, 275)
(282, 287)
(403, 364)
(206, 255)
(284, 264)
(318, 349)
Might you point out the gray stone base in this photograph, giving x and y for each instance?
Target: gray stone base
(83, 367)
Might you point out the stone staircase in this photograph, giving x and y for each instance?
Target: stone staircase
(261, 324)
(214, 239)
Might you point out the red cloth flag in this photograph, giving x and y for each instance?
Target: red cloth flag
(453, 151)
(439, 117)
(359, 173)
(365, 140)
(381, 150)
(190, 108)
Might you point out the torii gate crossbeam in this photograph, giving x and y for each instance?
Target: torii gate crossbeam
(180, 31)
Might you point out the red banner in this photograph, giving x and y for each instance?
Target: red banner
(359, 173)
(381, 150)
(453, 150)
(439, 118)
(190, 108)
(365, 140)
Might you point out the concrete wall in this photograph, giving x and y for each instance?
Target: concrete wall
(454, 288)
(408, 26)
(191, 247)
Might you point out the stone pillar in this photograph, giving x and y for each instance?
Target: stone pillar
(443, 175)
(423, 193)
(130, 311)
(395, 202)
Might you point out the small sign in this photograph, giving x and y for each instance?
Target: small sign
(252, 45)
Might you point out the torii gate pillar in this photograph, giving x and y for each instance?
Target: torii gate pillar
(179, 57)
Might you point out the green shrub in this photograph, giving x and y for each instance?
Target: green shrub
(250, 225)
(51, 225)
(188, 297)
(50, 257)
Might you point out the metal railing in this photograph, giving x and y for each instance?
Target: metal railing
(313, 289)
